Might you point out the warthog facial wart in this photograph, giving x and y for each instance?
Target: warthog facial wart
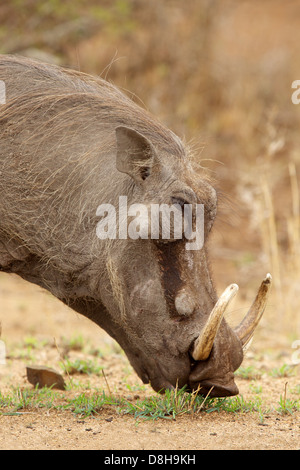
(152, 222)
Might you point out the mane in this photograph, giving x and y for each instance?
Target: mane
(33, 85)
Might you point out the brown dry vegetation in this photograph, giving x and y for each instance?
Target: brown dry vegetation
(219, 74)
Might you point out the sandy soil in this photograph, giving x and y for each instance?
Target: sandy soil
(51, 431)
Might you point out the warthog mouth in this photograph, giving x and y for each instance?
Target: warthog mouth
(202, 349)
(201, 371)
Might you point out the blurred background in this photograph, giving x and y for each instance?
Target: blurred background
(219, 74)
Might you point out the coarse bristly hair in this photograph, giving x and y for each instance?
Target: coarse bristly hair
(58, 154)
(59, 127)
(31, 85)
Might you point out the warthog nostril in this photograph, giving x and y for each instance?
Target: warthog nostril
(218, 390)
(184, 303)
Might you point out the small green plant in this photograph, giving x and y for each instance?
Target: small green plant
(76, 343)
(137, 387)
(25, 398)
(31, 342)
(80, 366)
(284, 371)
(286, 405)
(85, 405)
(167, 406)
(255, 388)
(248, 373)
(239, 404)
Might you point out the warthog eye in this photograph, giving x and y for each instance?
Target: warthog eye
(144, 172)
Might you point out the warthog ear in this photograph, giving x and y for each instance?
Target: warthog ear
(135, 154)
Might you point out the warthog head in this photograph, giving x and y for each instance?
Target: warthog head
(174, 331)
(69, 143)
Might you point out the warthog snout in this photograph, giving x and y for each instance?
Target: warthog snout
(218, 351)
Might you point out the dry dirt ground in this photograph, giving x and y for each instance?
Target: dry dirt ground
(26, 312)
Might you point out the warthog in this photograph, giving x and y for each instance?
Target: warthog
(70, 142)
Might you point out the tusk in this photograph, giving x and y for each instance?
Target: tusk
(204, 343)
(246, 328)
(247, 345)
